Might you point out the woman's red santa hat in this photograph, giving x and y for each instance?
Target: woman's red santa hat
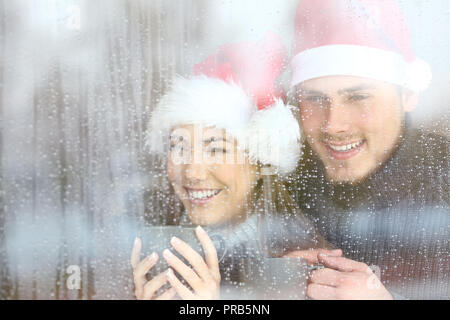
(234, 89)
(365, 38)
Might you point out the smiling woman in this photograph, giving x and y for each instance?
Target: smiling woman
(214, 187)
(227, 138)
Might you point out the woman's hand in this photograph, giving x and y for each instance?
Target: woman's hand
(144, 289)
(204, 279)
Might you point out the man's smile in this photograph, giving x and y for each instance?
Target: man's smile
(344, 150)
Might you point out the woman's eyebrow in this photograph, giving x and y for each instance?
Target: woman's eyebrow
(214, 139)
(174, 137)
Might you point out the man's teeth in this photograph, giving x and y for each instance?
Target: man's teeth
(346, 147)
(203, 194)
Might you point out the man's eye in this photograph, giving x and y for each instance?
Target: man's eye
(315, 99)
(358, 97)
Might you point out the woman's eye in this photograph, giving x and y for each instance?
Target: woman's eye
(217, 150)
(176, 147)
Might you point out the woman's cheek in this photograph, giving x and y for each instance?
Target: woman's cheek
(221, 172)
(172, 171)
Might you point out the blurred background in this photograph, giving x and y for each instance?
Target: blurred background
(78, 80)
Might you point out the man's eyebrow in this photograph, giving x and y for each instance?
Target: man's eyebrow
(355, 88)
(303, 91)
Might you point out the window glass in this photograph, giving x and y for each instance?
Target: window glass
(79, 81)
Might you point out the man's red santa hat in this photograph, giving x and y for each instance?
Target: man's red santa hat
(234, 89)
(365, 38)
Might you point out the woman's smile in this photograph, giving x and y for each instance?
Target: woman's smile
(199, 196)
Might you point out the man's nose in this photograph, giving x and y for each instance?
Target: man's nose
(195, 172)
(337, 119)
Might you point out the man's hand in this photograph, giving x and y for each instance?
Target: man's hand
(311, 255)
(345, 279)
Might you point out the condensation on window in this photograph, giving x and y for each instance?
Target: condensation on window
(78, 82)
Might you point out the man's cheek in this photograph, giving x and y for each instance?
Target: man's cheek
(311, 120)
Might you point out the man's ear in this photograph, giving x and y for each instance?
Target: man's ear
(410, 100)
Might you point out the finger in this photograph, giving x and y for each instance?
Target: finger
(326, 276)
(342, 264)
(187, 273)
(334, 252)
(321, 292)
(153, 285)
(141, 270)
(193, 257)
(167, 295)
(210, 251)
(311, 255)
(136, 252)
(145, 265)
(308, 255)
(312, 252)
(180, 288)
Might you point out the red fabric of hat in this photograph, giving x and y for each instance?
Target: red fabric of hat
(252, 65)
(367, 38)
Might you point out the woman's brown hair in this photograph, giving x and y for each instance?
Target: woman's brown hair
(270, 196)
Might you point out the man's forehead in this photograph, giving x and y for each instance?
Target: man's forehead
(336, 84)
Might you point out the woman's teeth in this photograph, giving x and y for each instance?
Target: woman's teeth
(346, 147)
(202, 194)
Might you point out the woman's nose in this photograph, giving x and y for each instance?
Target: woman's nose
(195, 172)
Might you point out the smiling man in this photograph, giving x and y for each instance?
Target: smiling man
(374, 186)
(352, 123)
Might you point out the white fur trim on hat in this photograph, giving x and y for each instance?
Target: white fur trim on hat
(199, 100)
(271, 136)
(361, 61)
(274, 138)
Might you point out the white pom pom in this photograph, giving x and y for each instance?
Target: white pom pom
(418, 75)
(274, 138)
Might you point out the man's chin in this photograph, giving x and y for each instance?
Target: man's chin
(348, 176)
